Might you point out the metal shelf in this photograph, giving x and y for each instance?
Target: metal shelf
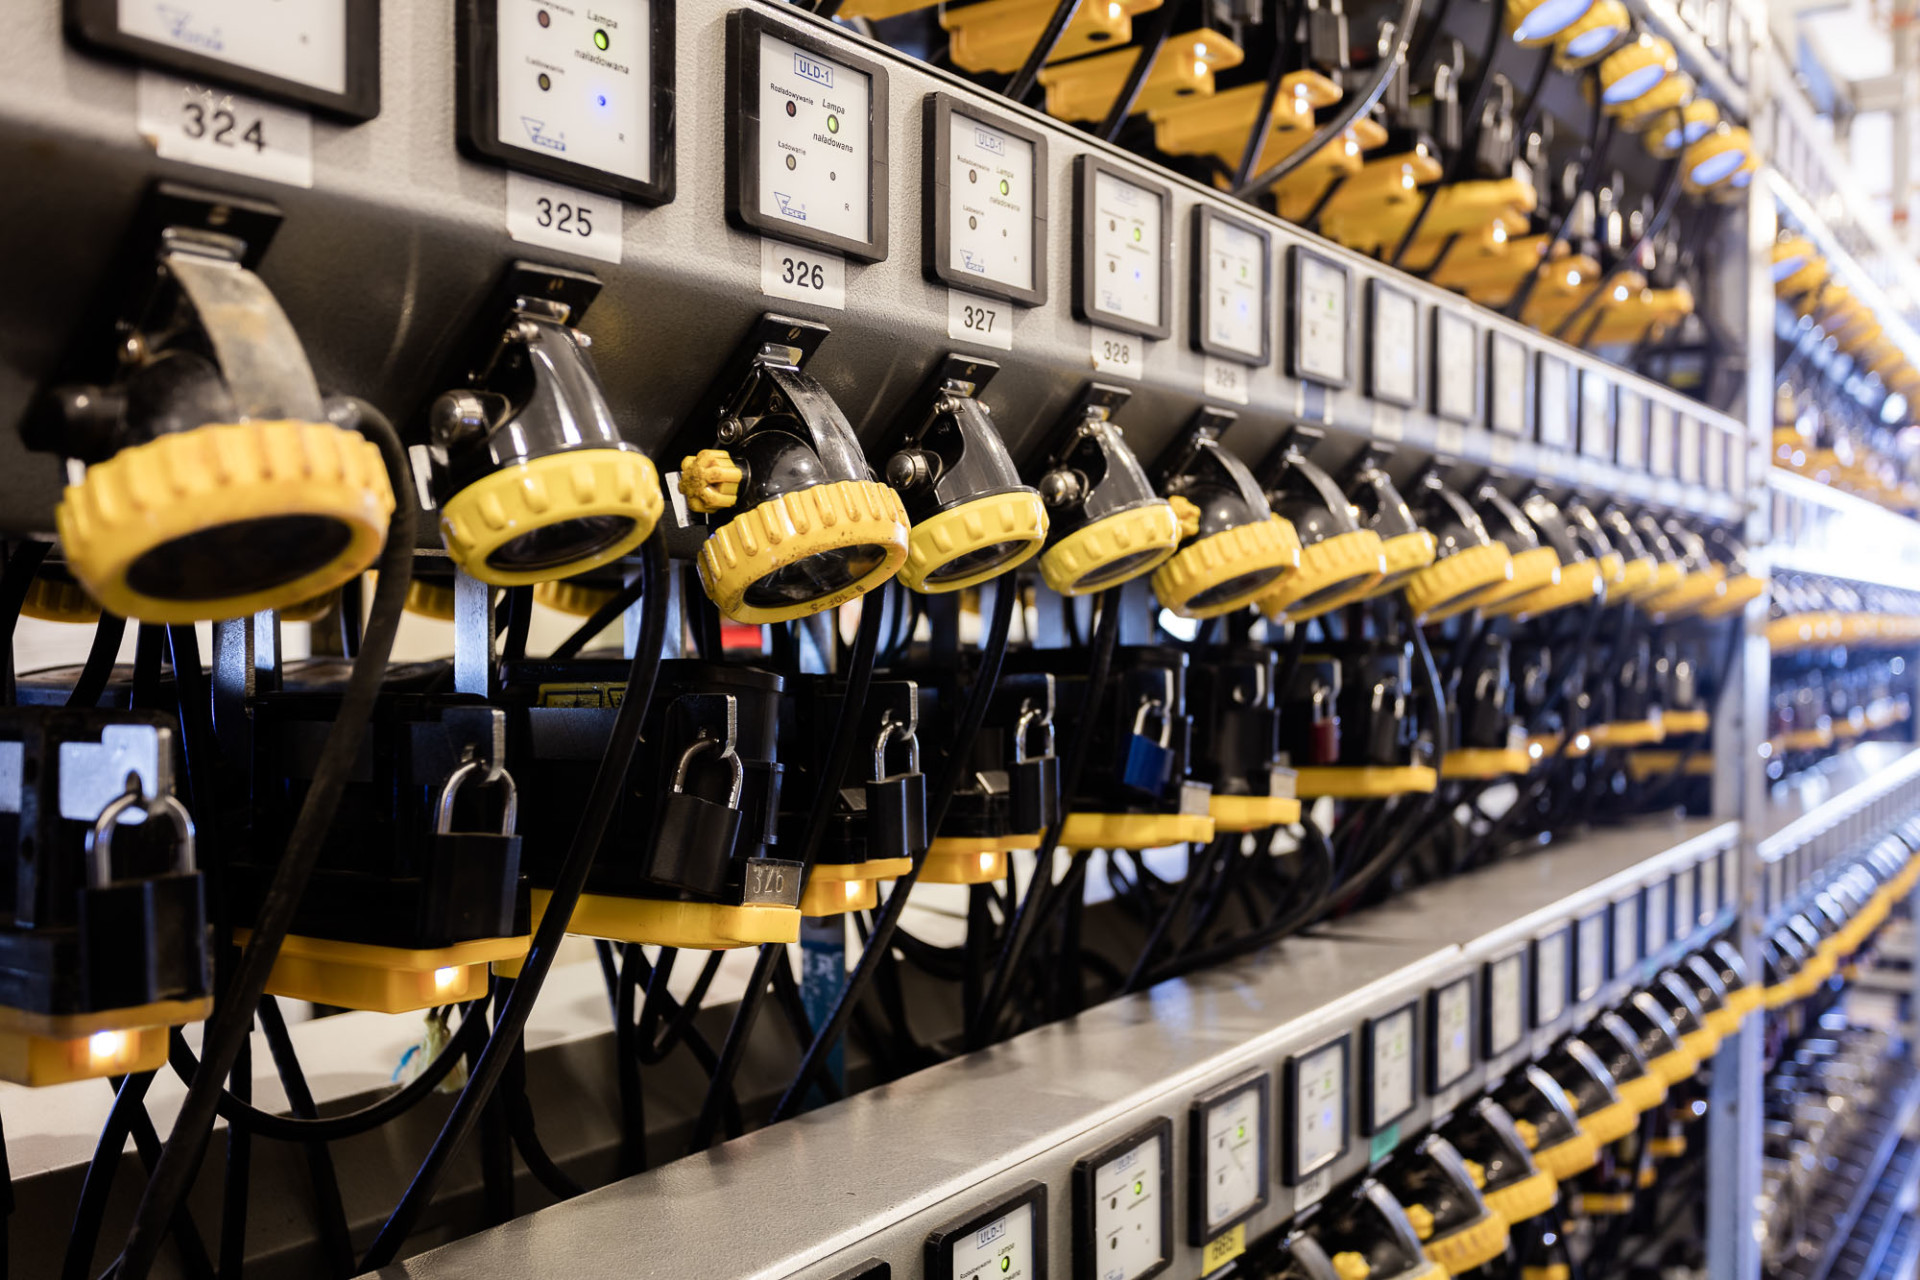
(1885, 1141)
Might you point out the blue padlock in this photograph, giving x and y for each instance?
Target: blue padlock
(1149, 763)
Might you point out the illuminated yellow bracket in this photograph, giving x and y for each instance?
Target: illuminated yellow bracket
(1134, 830)
(38, 1049)
(360, 975)
(1251, 813)
(1364, 782)
(999, 34)
(1480, 763)
(835, 888)
(1218, 125)
(972, 859)
(694, 926)
(1085, 89)
(1297, 193)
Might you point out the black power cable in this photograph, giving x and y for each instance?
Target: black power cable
(107, 635)
(23, 561)
(1137, 74)
(1023, 80)
(993, 649)
(608, 783)
(228, 1030)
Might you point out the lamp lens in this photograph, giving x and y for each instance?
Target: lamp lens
(1550, 19)
(1634, 85)
(1716, 168)
(562, 543)
(1589, 43)
(238, 559)
(1245, 584)
(1117, 570)
(980, 561)
(813, 577)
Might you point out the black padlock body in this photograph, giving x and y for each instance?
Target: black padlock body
(1482, 711)
(1140, 673)
(873, 819)
(559, 716)
(142, 941)
(1033, 793)
(384, 877)
(1310, 730)
(1236, 719)
(693, 844)
(988, 801)
(1377, 726)
(52, 959)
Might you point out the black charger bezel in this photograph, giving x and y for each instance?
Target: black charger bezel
(940, 109)
(1087, 169)
(1205, 218)
(1084, 1259)
(1262, 1084)
(940, 1242)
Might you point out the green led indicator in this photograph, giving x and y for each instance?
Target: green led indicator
(833, 124)
(1005, 186)
(1006, 1262)
(1136, 235)
(1241, 1132)
(1139, 1188)
(600, 40)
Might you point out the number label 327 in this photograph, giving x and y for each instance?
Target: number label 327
(984, 322)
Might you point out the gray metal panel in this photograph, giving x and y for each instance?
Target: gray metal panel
(873, 1175)
(379, 262)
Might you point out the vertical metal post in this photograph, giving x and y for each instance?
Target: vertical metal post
(473, 636)
(823, 977)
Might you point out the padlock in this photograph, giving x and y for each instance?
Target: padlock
(1149, 762)
(474, 877)
(1493, 137)
(696, 835)
(1033, 783)
(1327, 36)
(896, 803)
(142, 938)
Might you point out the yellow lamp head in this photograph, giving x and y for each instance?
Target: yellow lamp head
(1340, 559)
(1538, 22)
(1632, 72)
(1470, 567)
(1106, 522)
(1586, 40)
(1797, 265)
(1667, 133)
(1233, 547)
(972, 517)
(54, 596)
(1406, 544)
(533, 479)
(216, 484)
(1533, 565)
(769, 462)
(1714, 158)
(1581, 578)
(1662, 102)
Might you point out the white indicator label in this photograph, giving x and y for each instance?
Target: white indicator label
(304, 41)
(1312, 1189)
(557, 217)
(1392, 1067)
(1453, 1032)
(575, 84)
(1630, 424)
(1716, 442)
(1596, 396)
(1126, 249)
(1323, 321)
(986, 321)
(1126, 1212)
(220, 129)
(1656, 931)
(1553, 416)
(1727, 878)
(990, 203)
(1689, 449)
(1709, 888)
(1506, 1010)
(1233, 1173)
(815, 143)
(1686, 913)
(1590, 956)
(1236, 289)
(1626, 935)
(1001, 1250)
(1660, 445)
(1228, 380)
(1736, 464)
(1319, 1109)
(1396, 346)
(805, 275)
(1549, 978)
(1457, 367)
(1509, 391)
(1121, 354)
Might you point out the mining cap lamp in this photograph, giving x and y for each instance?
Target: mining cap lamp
(215, 484)
(1367, 1236)
(1233, 548)
(1107, 523)
(533, 479)
(1637, 566)
(1624, 1050)
(54, 596)
(1702, 584)
(1405, 543)
(1585, 1079)
(1797, 266)
(1580, 578)
(1675, 993)
(1586, 40)
(1714, 158)
(1586, 529)
(1633, 71)
(1470, 567)
(972, 517)
(1742, 585)
(1532, 564)
(1340, 560)
(1538, 22)
(1670, 132)
(1455, 1227)
(1544, 1117)
(1499, 1161)
(1668, 1057)
(769, 458)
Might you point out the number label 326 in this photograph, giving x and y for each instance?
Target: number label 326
(804, 275)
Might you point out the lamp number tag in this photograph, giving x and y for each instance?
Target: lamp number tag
(1121, 354)
(986, 322)
(804, 275)
(557, 217)
(1228, 381)
(220, 129)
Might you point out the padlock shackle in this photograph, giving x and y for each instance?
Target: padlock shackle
(443, 810)
(1027, 718)
(738, 770)
(100, 837)
(889, 729)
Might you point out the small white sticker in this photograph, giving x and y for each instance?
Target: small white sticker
(1228, 381)
(1389, 420)
(1122, 354)
(805, 275)
(1313, 1188)
(987, 322)
(220, 129)
(563, 218)
(1503, 450)
(1449, 438)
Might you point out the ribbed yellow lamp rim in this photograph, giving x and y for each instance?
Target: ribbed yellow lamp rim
(1269, 545)
(1016, 519)
(540, 493)
(786, 530)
